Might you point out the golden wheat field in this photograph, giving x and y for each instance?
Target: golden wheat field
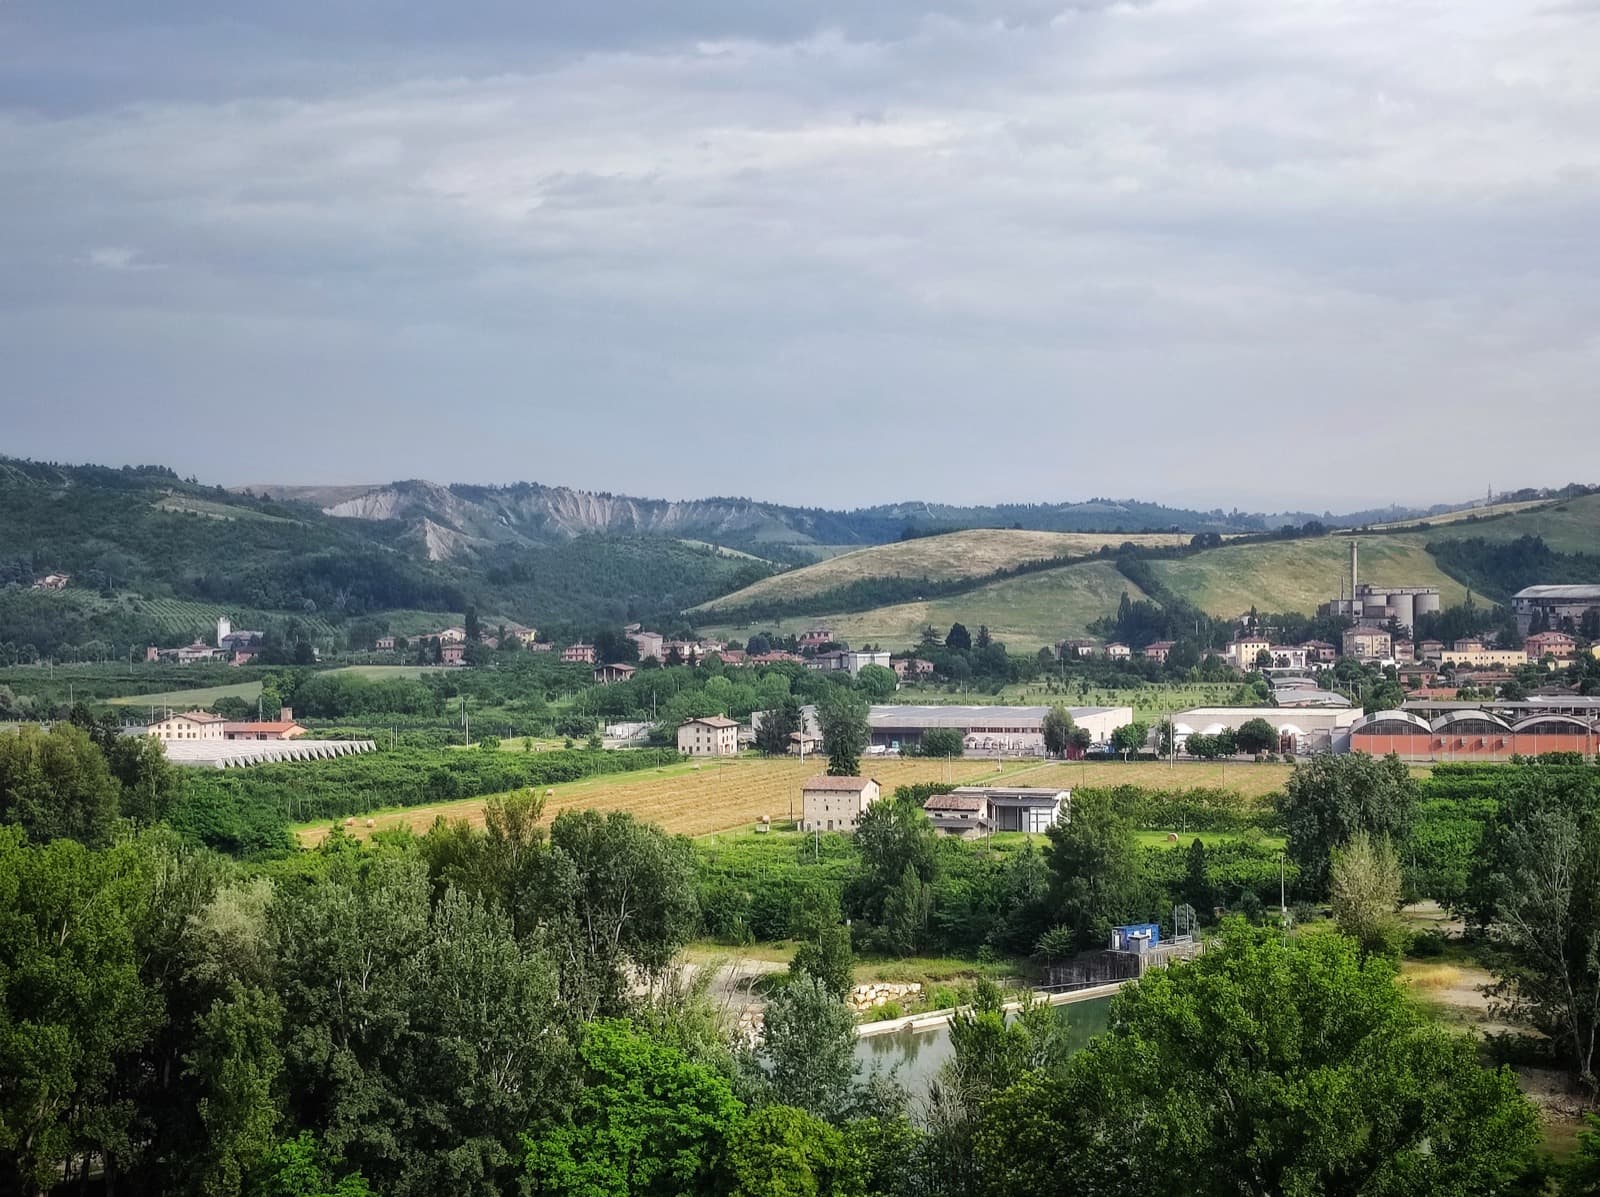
(730, 794)
(716, 796)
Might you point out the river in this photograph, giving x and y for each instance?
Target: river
(915, 1057)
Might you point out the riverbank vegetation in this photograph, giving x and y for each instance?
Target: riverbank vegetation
(497, 1008)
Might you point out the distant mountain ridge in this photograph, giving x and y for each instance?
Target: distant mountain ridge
(447, 519)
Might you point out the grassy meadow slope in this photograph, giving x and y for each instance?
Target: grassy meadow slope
(1025, 612)
(1571, 526)
(1465, 514)
(948, 557)
(1296, 575)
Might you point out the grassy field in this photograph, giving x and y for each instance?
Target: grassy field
(189, 700)
(1467, 513)
(1297, 575)
(726, 795)
(720, 550)
(954, 555)
(1041, 608)
(204, 696)
(1569, 527)
(1025, 613)
(692, 799)
(190, 505)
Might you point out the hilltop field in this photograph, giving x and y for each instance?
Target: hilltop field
(949, 557)
(1038, 609)
(1041, 608)
(1571, 526)
(1025, 612)
(1296, 575)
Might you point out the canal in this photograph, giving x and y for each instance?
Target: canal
(915, 1057)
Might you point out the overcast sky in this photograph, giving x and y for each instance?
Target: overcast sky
(1266, 253)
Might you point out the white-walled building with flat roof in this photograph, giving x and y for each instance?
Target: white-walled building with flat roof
(1304, 729)
(986, 730)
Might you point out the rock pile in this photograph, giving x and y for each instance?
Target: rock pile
(868, 997)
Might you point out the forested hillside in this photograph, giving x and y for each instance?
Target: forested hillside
(153, 558)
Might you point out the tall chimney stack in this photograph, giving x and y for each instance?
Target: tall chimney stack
(1353, 544)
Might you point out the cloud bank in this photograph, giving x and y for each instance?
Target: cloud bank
(1211, 251)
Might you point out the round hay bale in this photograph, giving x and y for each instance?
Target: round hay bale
(372, 822)
(350, 822)
(549, 791)
(1172, 837)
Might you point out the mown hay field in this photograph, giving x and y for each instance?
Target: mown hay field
(726, 795)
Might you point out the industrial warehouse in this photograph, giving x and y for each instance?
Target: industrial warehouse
(1472, 733)
(986, 731)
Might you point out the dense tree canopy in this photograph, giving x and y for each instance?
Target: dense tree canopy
(1267, 1069)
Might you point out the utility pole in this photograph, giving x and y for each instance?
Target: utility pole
(1283, 895)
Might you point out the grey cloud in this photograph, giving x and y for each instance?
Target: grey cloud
(676, 249)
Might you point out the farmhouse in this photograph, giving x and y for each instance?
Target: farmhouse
(1159, 650)
(190, 725)
(578, 654)
(383, 644)
(605, 675)
(714, 735)
(52, 582)
(453, 652)
(986, 730)
(835, 803)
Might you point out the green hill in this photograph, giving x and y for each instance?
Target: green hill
(948, 557)
(154, 558)
(1024, 612)
(1041, 608)
(1571, 526)
(1296, 575)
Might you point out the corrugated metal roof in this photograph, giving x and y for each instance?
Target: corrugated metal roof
(1578, 592)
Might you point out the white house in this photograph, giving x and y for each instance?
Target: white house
(714, 735)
